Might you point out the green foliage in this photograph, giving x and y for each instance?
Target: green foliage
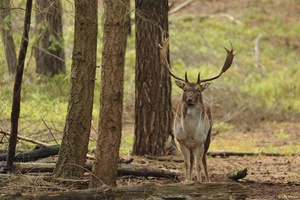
(126, 144)
(55, 43)
(282, 134)
(222, 127)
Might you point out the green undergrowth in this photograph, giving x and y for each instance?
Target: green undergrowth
(270, 87)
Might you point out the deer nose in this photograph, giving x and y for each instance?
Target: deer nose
(190, 99)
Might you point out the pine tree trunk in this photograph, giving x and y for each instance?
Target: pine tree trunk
(153, 114)
(105, 166)
(75, 140)
(6, 31)
(49, 50)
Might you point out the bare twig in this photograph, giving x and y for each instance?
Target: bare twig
(26, 139)
(181, 6)
(12, 8)
(257, 62)
(226, 15)
(256, 51)
(50, 131)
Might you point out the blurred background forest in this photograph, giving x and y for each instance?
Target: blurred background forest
(262, 87)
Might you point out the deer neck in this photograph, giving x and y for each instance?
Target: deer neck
(196, 110)
(192, 115)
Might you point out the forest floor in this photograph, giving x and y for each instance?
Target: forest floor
(269, 177)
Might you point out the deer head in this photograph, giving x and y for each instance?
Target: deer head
(192, 90)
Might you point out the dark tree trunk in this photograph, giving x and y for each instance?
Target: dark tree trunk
(77, 129)
(6, 31)
(49, 49)
(15, 113)
(153, 113)
(105, 166)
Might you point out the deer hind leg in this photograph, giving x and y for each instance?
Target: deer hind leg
(188, 161)
(205, 168)
(199, 152)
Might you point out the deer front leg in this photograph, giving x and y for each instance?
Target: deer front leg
(188, 161)
(199, 153)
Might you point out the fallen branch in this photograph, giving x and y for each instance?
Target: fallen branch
(27, 139)
(123, 170)
(181, 6)
(88, 156)
(230, 153)
(164, 159)
(222, 154)
(147, 171)
(36, 154)
(256, 51)
(226, 190)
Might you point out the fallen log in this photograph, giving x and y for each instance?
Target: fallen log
(123, 169)
(226, 190)
(42, 144)
(35, 154)
(231, 153)
(222, 154)
(146, 171)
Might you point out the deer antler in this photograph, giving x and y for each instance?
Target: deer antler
(163, 57)
(227, 64)
(164, 61)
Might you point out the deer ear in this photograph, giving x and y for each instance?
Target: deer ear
(180, 84)
(204, 86)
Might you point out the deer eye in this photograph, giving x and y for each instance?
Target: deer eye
(199, 90)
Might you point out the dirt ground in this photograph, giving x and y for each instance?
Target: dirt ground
(269, 177)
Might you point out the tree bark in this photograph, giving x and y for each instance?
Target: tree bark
(153, 109)
(6, 31)
(225, 190)
(15, 113)
(75, 140)
(105, 166)
(49, 48)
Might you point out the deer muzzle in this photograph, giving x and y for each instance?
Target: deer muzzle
(190, 100)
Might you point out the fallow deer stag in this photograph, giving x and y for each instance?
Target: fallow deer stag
(193, 121)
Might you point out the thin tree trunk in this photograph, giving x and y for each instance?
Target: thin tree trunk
(153, 109)
(74, 146)
(6, 31)
(15, 113)
(105, 166)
